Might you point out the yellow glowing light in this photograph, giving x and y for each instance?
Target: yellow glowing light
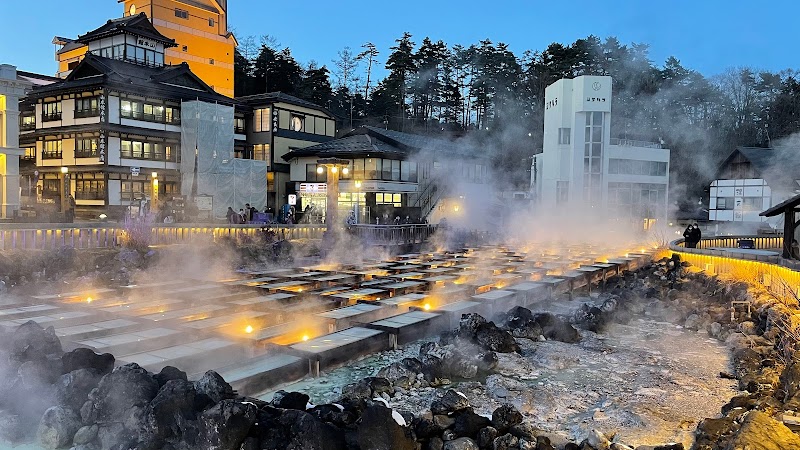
(89, 300)
(427, 306)
(345, 170)
(334, 169)
(641, 250)
(249, 329)
(455, 208)
(305, 337)
(320, 169)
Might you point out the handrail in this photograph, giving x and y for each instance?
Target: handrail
(720, 247)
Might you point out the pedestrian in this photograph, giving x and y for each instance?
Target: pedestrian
(247, 213)
(397, 220)
(688, 237)
(70, 216)
(242, 218)
(231, 215)
(696, 234)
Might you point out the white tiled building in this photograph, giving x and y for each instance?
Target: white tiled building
(12, 88)
(583, 167)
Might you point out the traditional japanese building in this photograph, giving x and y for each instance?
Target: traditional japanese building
(114, 121)
(751, 180)
(198, 30)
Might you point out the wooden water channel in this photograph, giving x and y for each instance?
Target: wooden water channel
(259, 329)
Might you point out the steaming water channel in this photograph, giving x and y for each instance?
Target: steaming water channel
(649, 381)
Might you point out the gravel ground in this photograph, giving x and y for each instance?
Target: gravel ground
(648, 381)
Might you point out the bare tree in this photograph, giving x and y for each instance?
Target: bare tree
(248, 48)
(370, 54)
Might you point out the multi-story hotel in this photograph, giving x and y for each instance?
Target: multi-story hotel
(583, 166)
(119, 119)
(199, 29)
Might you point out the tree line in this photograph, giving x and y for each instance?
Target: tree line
(495, 97)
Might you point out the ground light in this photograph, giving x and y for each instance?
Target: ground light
(427, 306)
(305, 337)
(248, 329)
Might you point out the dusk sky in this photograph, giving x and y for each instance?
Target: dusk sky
(708, 36)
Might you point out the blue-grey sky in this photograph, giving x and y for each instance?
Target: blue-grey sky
(706, 35)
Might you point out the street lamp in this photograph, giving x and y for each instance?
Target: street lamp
(154, 193)
(358, 199)
(331, 208)
(64, 183)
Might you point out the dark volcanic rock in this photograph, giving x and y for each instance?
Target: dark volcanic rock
(451, 402)
(57, 427)
(225, 425)
(31, 341)
(73, 388)
(174, 410)
(468, 424)
(398, 374)
(378, 430)
(486, 437)
(84, 358)
(556, 329)
(291, 429)
(125, 387)
(213, 385)
(169, 373)
(333, 414)
(493, 338)
(290, 400)
(505, 417)
(462, 443)
(469, 323)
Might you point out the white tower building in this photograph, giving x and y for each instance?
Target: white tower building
(583, 167)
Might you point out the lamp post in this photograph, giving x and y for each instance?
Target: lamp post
(333, 167)
(358, 200)
(154, 193)
(63, 182)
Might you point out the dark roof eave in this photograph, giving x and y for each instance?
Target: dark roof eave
(781, 207)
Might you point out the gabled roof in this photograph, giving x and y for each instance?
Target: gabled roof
(779, 165)
(275, 97)
(371, 141)
(137, 24)
(176, 82)
(782, 206)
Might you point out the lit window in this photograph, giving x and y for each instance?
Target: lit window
(261, 118)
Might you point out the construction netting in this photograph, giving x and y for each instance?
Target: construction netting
(207, 154)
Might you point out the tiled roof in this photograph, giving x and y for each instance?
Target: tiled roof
(273, 97)
(137, 24)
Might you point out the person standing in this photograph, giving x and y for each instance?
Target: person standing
(696, 234)
(231, 215)
(688, 236)
(70, 216)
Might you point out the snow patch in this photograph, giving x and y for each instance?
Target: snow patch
(398, 418)
(341, 408)
(310, 405)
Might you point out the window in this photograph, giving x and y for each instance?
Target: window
(51, 111)
(211, 61)
(724, 202)
(313, 177)
(51, 149)
(358, 169)
(637, 167)
(296, 124)
(592, 157)
(753, 203)
(238, 125)
(86, 147)
(386, 173)
(151, 112)
(27, 122)
(372, 169)
(86, 107)
(181, 13)
(185, 48)
(261, 152)
(408, 171)
(30, 154)
(156, 151)
(395, 200)
(51, 188)
(564, 135)
(261, 120)
(90, 186)
(211, 22)
(132, 190)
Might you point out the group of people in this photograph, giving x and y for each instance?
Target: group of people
(692, 235)
(245, 215)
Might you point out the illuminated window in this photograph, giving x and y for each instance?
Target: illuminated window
(90, 186)
(395, 200)
(261, 152)
(51, 149)
(51, 111)
(261, 120)
(86, 147)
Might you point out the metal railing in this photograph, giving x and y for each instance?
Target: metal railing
(759, 242)
(88, 236)
(634, 143)
(393, 234)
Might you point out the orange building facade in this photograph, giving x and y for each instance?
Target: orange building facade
(199, 28)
